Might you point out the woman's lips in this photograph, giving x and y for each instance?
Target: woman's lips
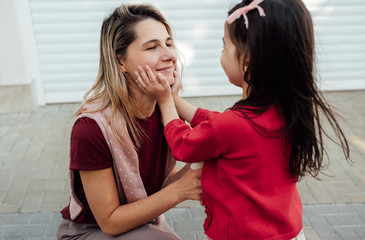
(165, 69)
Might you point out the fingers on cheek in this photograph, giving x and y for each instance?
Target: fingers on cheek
(149, 72)
(143, 74)
(138, 78)
(160, 77)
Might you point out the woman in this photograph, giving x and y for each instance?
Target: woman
(122, 174)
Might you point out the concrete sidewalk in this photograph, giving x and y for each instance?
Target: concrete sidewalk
(34, 188)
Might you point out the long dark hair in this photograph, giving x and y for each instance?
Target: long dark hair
(280, 72)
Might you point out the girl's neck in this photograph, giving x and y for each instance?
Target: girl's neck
(244, 90)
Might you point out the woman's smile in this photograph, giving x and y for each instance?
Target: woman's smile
(165, 69)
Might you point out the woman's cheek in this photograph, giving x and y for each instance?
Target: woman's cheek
(171, 80)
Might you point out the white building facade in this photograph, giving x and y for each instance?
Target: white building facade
(59, 44)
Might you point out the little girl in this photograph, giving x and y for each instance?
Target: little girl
(254, 152)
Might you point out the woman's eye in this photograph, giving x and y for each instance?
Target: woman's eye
(151, 48)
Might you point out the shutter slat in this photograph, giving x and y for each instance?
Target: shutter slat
(67, 38)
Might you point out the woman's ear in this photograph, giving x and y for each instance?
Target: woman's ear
(121, 63)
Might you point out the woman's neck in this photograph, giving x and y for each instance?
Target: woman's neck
(145, 105)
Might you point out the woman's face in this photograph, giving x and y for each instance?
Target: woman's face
(153, 47)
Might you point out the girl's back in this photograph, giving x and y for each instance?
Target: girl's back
(247, 187)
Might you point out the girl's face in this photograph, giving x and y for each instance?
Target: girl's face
(153, 47)
(232, 66)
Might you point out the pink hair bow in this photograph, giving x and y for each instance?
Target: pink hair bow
(244, 10)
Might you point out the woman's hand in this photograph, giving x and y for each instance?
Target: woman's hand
(114, 219)
(189, 185)
(158, 89)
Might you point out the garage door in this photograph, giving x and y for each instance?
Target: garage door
(67, 37)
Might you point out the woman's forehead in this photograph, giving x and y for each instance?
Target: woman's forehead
(150, 29)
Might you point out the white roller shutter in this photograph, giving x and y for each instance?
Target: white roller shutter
(340, 41)
(67, 36)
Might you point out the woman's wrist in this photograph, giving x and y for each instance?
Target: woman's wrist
(174, 193)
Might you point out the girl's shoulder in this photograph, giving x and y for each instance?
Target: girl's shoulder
(234, 119)
(227, 118)
(271, 117)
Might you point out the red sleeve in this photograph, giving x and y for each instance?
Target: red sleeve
(200, 115)
(192, 145)
(89, 150)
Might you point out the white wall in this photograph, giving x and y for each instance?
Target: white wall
(18, 57)
(13, 69)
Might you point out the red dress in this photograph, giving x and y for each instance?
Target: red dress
(247, 188)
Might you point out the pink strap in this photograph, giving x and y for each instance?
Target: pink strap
(244, 10)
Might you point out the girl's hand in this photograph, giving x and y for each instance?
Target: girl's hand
(177, 85)
(158, 89)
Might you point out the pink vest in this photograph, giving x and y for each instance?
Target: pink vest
(125, 161)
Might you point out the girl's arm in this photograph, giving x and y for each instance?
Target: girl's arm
(159, 90)
(185, 110)
(171, 105)
(114, 219)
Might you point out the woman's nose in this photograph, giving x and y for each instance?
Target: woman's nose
(169, 54)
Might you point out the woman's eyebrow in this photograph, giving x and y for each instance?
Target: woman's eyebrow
(150, 41)
(155, 41)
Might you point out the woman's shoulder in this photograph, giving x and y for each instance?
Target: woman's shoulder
(89, 150)
(95, 109)
(85, 128)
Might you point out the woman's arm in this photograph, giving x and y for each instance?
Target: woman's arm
(114, 219)
(176, 175)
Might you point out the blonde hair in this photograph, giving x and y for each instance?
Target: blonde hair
(111, 86)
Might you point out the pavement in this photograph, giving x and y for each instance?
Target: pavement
(34, 182)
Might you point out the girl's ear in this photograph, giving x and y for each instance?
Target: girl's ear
(121, 63)
(245, 66)
(245, 61)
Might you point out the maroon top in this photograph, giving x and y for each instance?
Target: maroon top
(89, 151)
